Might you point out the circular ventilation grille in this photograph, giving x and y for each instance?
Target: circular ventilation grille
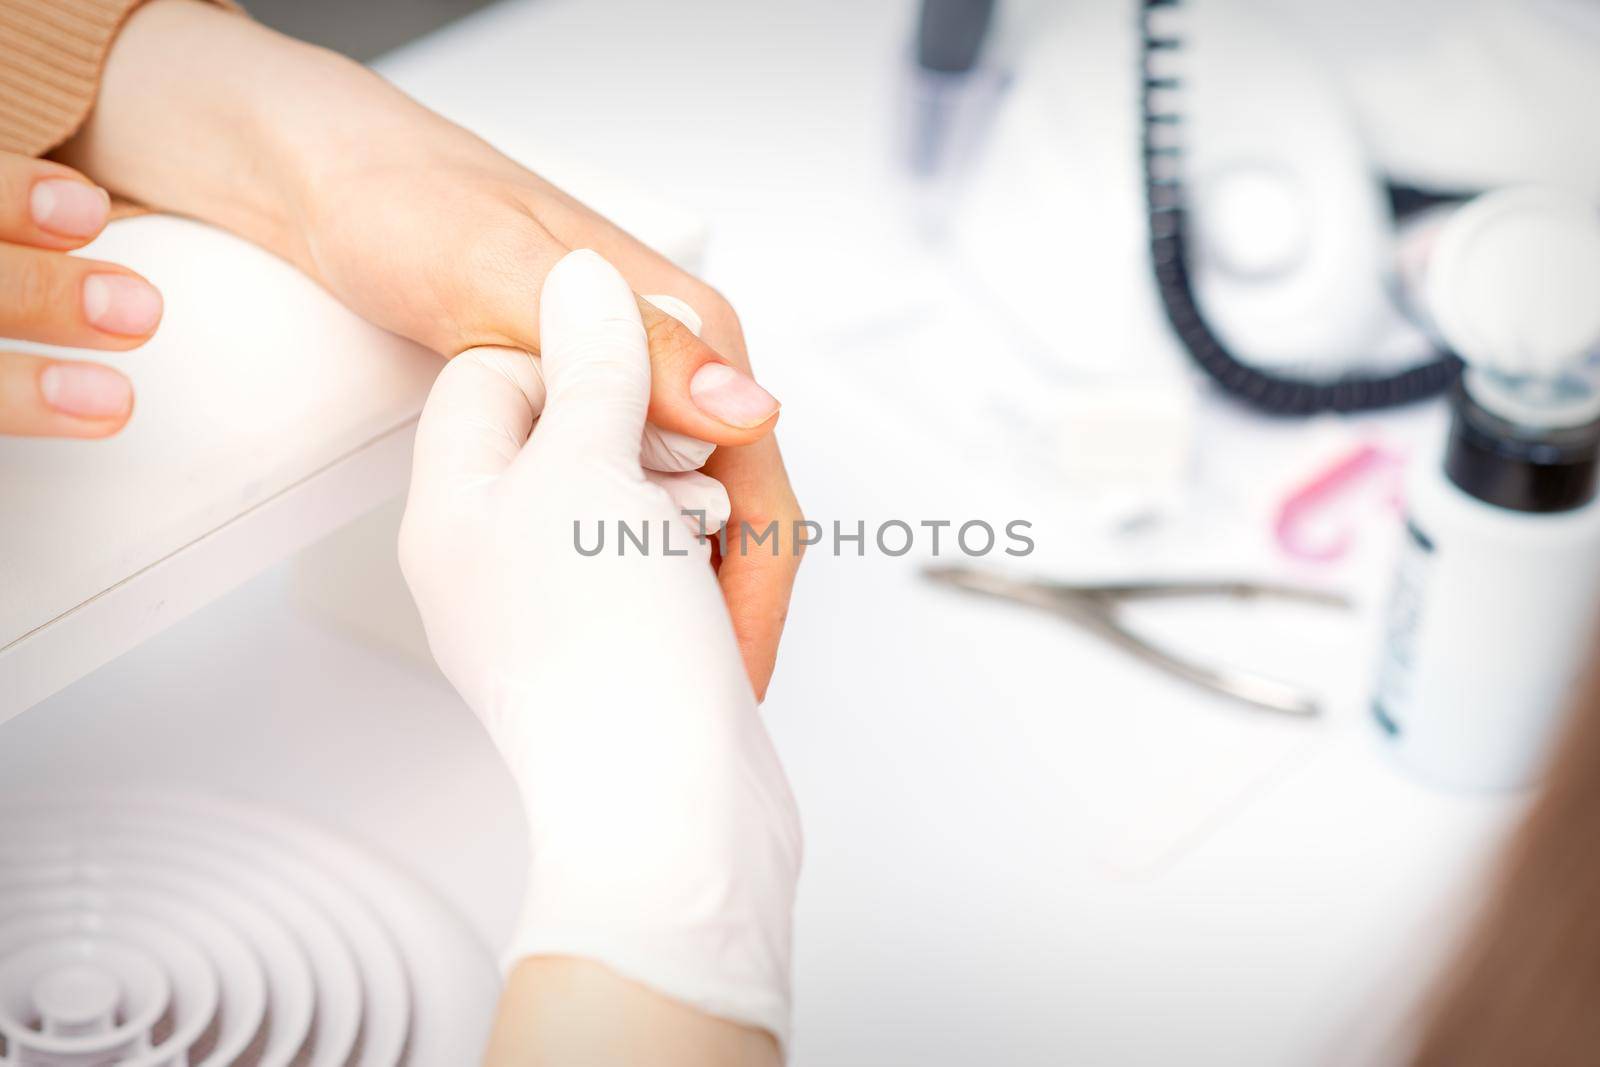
(157, 929)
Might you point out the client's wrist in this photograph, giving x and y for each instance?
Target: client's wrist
(203, 112)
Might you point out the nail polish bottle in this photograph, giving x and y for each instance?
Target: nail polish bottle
(1494, 604)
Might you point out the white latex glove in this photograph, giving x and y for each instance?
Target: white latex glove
(665, 841)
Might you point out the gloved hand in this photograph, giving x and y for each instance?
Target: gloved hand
(665, 841)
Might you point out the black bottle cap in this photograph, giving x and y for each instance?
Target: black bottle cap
(1518, 467)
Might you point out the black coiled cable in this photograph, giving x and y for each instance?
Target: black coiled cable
(1164, 207)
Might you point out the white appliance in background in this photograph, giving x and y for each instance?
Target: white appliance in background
(1288, 118)
(260, 838)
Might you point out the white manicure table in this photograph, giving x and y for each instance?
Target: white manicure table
(1022, 848)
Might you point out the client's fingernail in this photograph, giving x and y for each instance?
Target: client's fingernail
(731, 396)
(117, 303)
(86, 390)
(68, 208)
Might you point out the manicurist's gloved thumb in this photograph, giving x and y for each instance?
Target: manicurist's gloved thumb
(597, 374)
(596, 361)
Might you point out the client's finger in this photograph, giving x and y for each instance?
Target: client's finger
(669, 450)
(58, 299)
(47, 205)
(43, 397)
(695, 391)
(757, 573)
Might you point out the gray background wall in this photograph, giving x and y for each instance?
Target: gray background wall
(359, 28)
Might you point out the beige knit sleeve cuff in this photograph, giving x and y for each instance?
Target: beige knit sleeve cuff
(51, 55)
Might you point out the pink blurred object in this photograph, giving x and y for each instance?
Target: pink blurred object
(1317, 521)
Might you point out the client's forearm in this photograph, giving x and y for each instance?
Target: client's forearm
(562, 1012)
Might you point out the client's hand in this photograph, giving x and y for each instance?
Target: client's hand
(427, 231)
(435, 235)
(665, 843)
(46, 210)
